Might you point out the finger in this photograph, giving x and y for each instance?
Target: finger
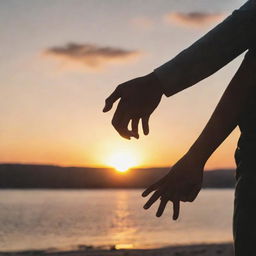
(152, 199)
(121, 120)
(111, 99)
(161, 207)
(152, 187)
(135, 122)
(145, 125)
(176, 208)
(123, 128)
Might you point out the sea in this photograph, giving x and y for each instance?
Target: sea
(50, 219)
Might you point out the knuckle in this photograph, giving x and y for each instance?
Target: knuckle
(135, 129)
(123, 132)
(107, 100)
(152, 188)
(164, 199)
(120, 87)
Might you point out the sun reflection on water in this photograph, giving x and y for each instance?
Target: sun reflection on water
(123, 228)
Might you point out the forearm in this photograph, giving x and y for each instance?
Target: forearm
(210, 53)
(228, 111)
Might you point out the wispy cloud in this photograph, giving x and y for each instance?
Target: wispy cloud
(193, 19)
(142, 22)
(91, 56)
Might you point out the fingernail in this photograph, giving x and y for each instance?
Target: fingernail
(144, 194)
(145, 206)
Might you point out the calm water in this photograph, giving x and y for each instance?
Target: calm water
(36, 219)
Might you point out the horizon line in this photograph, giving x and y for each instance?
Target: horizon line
(101, 167)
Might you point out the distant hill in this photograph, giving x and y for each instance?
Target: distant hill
(46, 176)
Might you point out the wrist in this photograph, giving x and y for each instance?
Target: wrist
(197, 155)
(156, 82)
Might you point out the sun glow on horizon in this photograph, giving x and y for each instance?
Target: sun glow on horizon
(122, 161)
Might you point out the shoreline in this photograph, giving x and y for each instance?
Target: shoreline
(223, 249)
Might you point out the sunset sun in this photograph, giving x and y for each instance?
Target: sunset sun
(122, 161)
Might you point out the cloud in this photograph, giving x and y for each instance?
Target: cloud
(91, 56)
(142, 22)
(193, 19)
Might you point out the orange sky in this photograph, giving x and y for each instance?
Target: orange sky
(60, 59)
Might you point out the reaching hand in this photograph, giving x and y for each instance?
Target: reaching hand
(139, 98)
(182, 183)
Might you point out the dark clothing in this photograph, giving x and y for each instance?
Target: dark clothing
(244, 218)
(233, 36)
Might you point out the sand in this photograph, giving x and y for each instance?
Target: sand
(190, 250)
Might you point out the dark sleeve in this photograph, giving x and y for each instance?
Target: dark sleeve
(226, 41)
(247, 121)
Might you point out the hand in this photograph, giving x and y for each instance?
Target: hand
(139, 98)
(182, 183)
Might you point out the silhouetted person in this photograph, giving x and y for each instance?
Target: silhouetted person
(140, 96)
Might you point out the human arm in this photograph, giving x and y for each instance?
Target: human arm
(211, 52)
(139, 97)
(184, 180)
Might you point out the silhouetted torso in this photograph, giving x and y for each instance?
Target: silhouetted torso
(247, 125)
(246, 151)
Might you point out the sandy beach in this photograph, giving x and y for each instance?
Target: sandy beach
(189, 250)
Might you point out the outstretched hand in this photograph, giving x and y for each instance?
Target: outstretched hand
(182, 183)
(138, 99)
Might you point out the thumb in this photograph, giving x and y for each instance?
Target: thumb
(112, 99)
